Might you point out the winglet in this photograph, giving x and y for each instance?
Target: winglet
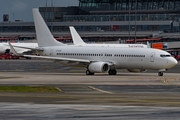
(12, 49)
(77, 40)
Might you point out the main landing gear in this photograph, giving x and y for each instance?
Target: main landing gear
(89, 73)
(160, 73)
(112, 72)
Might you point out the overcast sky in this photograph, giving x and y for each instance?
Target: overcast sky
(22, 9)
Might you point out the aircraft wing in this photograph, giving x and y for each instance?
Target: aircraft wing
(69, 60)
(56, 58)
(59, 58)
(49, 57)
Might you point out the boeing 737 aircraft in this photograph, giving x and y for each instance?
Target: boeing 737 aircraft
(77, 40)
(98, 59)
(4, 47)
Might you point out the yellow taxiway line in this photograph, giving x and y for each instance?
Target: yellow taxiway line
(100, 90)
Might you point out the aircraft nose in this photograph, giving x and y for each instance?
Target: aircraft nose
(173, 62)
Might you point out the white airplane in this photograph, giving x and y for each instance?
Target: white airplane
(77, 41)
(98, 59)
(4, 47)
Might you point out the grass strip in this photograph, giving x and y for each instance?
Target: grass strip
(38, 89)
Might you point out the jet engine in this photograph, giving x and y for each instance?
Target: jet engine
(137, 70)
(98, 67)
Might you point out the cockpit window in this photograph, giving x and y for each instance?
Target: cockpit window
(165, 55)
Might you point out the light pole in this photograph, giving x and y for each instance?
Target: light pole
(129, 19)
(13, 17)
(135, 20)
(46, 16)
(52, 13)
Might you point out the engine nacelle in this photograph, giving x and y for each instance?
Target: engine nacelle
(137, 70)
(98, 67)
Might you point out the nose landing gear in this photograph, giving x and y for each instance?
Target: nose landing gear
(160, 73)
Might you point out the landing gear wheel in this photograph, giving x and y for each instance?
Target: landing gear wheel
(160, 73)
(89, 73)
(112, 72)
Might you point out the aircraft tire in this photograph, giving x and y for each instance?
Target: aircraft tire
(89, 73)
(160, 73)
(112, 72)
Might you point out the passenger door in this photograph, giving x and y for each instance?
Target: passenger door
(152, 57)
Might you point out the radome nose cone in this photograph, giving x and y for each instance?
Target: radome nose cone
(174, 62)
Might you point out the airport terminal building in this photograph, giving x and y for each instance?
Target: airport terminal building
(126, 21)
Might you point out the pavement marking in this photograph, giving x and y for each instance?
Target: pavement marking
(165, 81)
(58, 89)
(144, 101)
(100, 90)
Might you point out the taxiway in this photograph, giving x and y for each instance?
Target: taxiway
(124, 96)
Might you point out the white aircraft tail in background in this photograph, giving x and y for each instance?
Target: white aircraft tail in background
(148, 45)
(77, 40)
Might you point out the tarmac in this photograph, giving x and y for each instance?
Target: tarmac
(124, 96)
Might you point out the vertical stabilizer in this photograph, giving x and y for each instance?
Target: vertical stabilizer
(77, 40)
(43, 34)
